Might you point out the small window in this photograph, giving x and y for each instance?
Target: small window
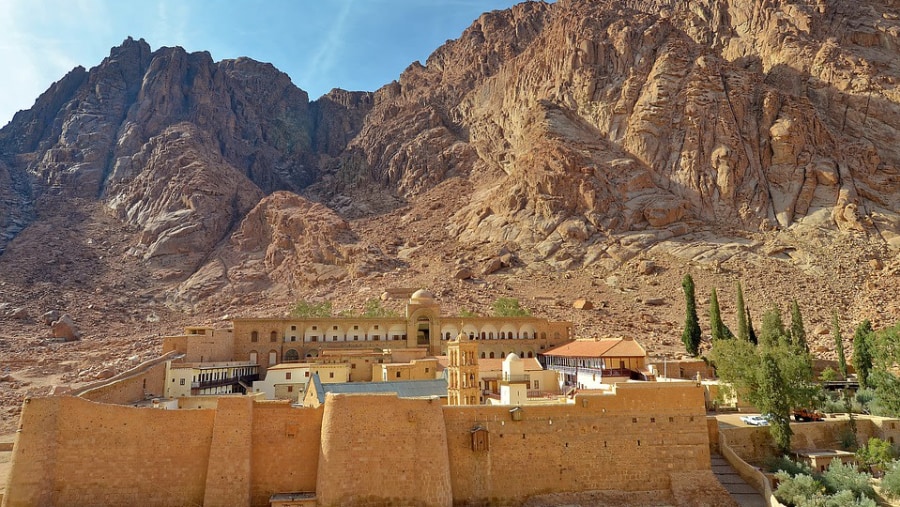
(653, 419)
(331, 374)
(671, 419)
(293, 328)
(182, 381)
(356, 337)
(355, 328)
(353, 366)
(376, 326)
(254, 337)
(287, 376)
(290, 389)
(306, 374)
(334, 328)
(315, 328)
(633, 420)
(427, 370)
(398, 374)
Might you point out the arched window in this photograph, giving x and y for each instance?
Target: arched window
(543, 336)
(253, 356)
(447, 335)
(530, 354)
(482, 335)
(482, 355)
(492, 355)
(273, 357)
(254, 336)
(291, 355)
(273, 336)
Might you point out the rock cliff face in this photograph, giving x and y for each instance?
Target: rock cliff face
(579, 137)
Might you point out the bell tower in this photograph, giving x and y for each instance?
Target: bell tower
(462, 384)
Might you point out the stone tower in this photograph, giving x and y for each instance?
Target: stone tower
(462, 384)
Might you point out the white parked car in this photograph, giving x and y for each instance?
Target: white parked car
(755, 420)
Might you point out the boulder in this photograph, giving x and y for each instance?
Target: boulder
(492, 266)
(66, 329)
(583, 304)
(50, 317)
(463, 273)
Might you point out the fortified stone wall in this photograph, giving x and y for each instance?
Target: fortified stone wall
(382, 450)
(629, 441)
(71, 451)
(356, 450)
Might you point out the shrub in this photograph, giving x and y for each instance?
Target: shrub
(787, 465)
(828, 375)
(305, 309)
(797, 490)
(509, 307)
(890, 483)
(840, 477)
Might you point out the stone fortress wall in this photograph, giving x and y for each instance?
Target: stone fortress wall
(356, 450)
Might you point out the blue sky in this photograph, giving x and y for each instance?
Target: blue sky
(321, 44)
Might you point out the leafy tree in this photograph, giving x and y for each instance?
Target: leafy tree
(798, 332)
(691, 334)
(742, 314)
(862, 356)
(838, 343)
(751, 333)
(828, 375)
(310, 310)
(375, 309)
(876, 453)
(509, 307)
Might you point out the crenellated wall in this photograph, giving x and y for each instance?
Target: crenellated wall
(356, 450)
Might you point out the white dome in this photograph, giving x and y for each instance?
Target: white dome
(512, 357)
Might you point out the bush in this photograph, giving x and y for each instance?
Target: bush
(509, 307)
(787, 465)
(890, 483)
(848, 499)
(840, 477)
(305, 309)
(828, 375)
(798, 490)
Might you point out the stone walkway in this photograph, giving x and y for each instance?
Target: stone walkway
(743, 493)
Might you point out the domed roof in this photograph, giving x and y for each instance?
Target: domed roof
(512, 357)
(422, 295)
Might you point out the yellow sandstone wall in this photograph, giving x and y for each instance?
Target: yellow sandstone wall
(382, 450)
(285, 450)
(630, 441)
(75, 452)
(356, 450)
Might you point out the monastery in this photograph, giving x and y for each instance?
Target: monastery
(362, 412)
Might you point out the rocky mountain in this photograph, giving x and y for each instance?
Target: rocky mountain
(596, 149)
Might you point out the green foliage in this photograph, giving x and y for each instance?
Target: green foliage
(828, 375)
(786, 464)
(466, 313)
(741, 311)
(309, 310)
(841, 477)
(375, 309)
(876, 453)
(838, 343)
(798, 332)
(862, 356)
(798, 489)
(691, 334)
(509, 307)
(890, 482)
(847, 499)
(772, 397)
(719, 330)
(751, 333)
(772, 328)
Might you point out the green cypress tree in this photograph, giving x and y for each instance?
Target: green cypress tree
(751, 333)
(691, 334)
(773, 398)
(862, 354)
(838, 344)
(798, 332)
(772, 328)
(715, 317)
(741, 314)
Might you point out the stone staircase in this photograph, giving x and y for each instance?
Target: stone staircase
(743, 493)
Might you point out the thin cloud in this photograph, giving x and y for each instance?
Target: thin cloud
(325, 56)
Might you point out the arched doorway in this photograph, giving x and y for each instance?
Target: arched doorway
(423, 331)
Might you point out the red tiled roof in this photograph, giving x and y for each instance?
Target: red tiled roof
(620, 347)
